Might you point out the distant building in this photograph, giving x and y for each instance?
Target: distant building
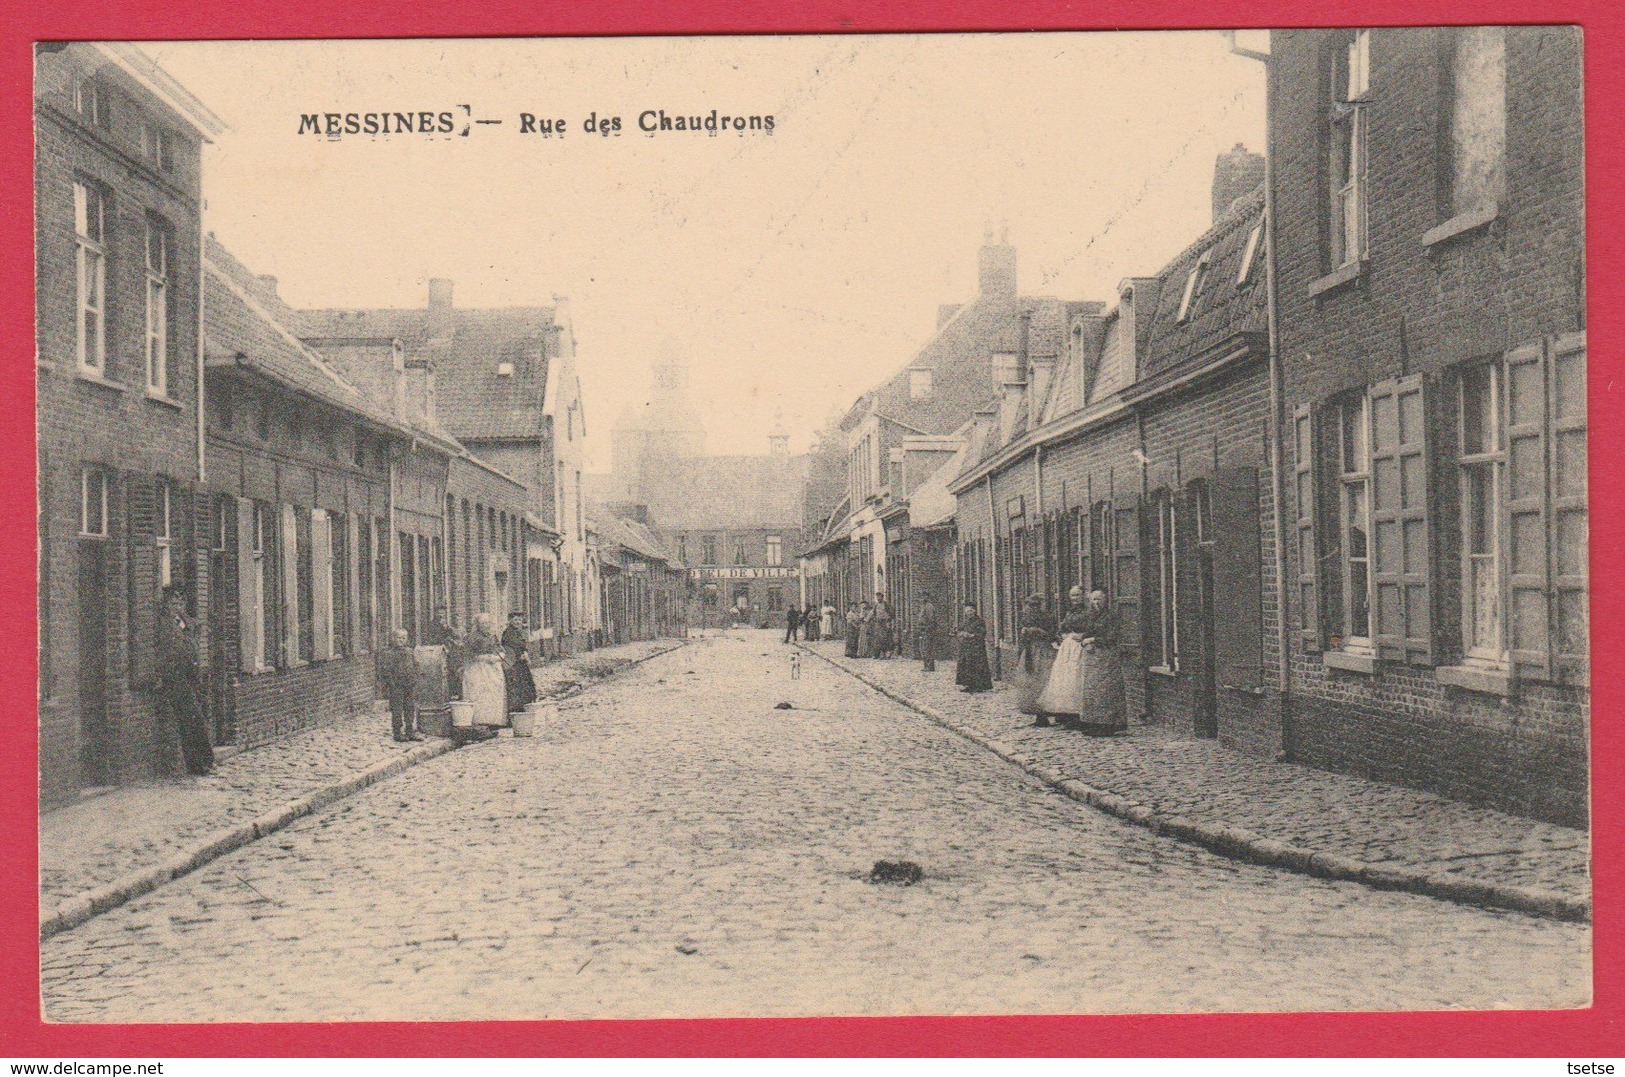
(735, 522)
(118, 236)
(643, 584)
(906, 429)
(505, 386)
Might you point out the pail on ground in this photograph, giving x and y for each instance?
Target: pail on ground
(462, 714)
(524, 723)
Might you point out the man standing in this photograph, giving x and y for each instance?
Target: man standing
(792, 621)
(442, 634)
(925, 636)
(179, 687)
(397, 669)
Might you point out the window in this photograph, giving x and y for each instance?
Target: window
(1354, 522)
(89, 217)
(304, 590)
(256, 630)
(1477, 119)
(1006, 369)
(158, 248)
(165, 531)
(1478, 414)
(93, 503)
(1193, 286)
(223, 509)
(775, 599)
(919, 383)
(157, 146)
(366, 598)
(708, 550)
(1167, 538)
(1249, 255)
(338, 537)
(775, 550)
(1348, 163)
(90, 102)
(739, 552)
(682, 548)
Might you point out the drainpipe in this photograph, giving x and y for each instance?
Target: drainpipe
(1283, 673)
(993, 557)
(202, 241)
(394, 547)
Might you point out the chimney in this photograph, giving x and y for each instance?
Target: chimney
(996, 274)
(1236, 174)
(1010, 396)
(778, 444)
(439, 320)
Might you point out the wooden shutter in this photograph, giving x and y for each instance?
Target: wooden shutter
(288, 548)
(1566, 396)
(248, 611)
(1238, 611)
(143, 598)
(321, 584)
(1528, 621)
(1125, 516)
(1305, 494)
(1400, 556)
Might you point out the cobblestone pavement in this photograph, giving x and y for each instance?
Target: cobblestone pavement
(1363, 820)
(676, 845)
(106, 837)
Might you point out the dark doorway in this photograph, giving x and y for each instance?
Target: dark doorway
(217, 693)
(95, 731)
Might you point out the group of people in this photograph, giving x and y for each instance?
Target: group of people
(812, 624)
(1071, 674)
(870, 629)
(1068, 674)
(490, 671)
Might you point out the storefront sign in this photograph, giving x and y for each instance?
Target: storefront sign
(783, 573)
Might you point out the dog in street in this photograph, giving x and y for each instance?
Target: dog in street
(795, 666)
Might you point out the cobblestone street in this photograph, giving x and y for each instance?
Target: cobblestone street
(675, 845)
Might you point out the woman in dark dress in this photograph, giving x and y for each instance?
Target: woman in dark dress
(521, 686)
(1035, 657)
(972, 674)
(180, 687)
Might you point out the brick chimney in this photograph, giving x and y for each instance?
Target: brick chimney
(439, 321)
(1235, 175)
(996, 268)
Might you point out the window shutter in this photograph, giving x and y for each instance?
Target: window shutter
(1528, 568)
(1402, 623)
(1568, 542)
(144, 602)
(1125, 514)
(288, 547)
(1238, 617)
(248, 613)
(1304, 441)
(321, 550)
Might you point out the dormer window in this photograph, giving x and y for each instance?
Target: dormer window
(504, 370)
(1193, 286)
(1006, 369)
(1249, 255)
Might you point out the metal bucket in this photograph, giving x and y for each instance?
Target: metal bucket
(462, 714)
(524, 723)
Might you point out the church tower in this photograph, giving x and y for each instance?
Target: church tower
(647, 441)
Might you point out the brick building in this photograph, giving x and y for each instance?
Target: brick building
(505, 387)
(1429, 244)
(1136, 463)
(903, 431)
(118, 231)
(643, 585)
(323, 501)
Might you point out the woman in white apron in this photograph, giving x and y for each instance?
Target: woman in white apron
(484, 683)
(1062, 697)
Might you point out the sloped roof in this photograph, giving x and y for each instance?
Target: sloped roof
(628, 534)
(1224, 308)
(238, 330)
(466, 347)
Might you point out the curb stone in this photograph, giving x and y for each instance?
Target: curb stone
(74, 911)
(1239, 843)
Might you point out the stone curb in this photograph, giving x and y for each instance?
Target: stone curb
(92, 903)
(1239, 843)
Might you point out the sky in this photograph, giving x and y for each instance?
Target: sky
(793, 270)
